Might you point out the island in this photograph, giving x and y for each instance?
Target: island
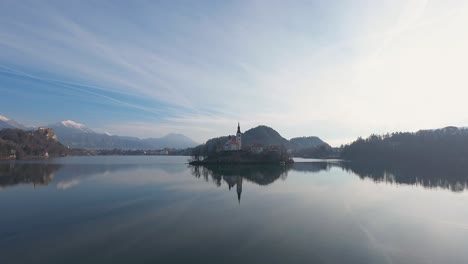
(233, 152)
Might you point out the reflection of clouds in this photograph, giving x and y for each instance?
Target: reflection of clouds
(193, 186)
(67, 184)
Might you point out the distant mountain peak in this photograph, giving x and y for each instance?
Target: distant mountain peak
(6, 122)
(70, 123)
(173, 135)
(4, 118)
(76, 125)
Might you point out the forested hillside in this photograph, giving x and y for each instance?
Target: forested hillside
(29, 144)
(450, 143)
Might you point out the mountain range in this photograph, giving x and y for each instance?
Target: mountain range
(5, 122)
(76, 135)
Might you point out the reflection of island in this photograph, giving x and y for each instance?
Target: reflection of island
(446, 175)
(451, 176)
(234, 175)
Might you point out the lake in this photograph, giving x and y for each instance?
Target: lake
(117, 209)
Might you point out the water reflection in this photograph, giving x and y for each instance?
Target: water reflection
(313, 166)
(64, 175)
(37, 174)
(449, 176)
(452, 176)
(155, 212)
(233, 176)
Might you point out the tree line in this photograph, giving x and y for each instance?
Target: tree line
(449, 143)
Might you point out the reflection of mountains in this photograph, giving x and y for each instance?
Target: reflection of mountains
(42, 173)
(452, 176)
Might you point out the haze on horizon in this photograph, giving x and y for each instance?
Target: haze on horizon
(333, 69)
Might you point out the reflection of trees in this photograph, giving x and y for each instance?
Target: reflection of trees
(35, 173)
(312, 166)
(42, 173)
(259, 174)
(446, 175)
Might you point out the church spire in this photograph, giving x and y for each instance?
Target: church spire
(238, 127)
(239, 188)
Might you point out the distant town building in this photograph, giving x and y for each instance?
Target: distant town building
(13, 154)
(234, 143)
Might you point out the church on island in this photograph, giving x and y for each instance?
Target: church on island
(234, 143)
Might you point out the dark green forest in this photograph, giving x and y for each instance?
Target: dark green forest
(446, 144)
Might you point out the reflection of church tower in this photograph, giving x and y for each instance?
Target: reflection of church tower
(239, 137)
(239, 188)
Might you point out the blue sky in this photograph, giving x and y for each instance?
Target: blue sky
(333, 69)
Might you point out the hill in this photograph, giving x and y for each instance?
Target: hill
(311, 147)
(171, 140)
(267, 136)
(30, 144)
(307, 142)
(449, 143)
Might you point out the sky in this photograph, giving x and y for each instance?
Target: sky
(333, 69)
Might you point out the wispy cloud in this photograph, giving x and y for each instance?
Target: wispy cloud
(67, 184)
(327, 69)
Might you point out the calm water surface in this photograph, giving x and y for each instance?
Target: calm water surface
(159, 210)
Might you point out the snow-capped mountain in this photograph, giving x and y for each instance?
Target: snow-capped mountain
(5, 122)
(71, 127)
(76, 135)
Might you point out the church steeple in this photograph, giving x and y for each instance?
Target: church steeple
(239, 188)
(239, 137)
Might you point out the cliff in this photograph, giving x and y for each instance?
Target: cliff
(20, 144)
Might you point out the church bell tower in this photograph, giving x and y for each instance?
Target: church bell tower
(239, 137)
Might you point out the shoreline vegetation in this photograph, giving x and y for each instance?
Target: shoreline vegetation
(17, 144)
(437, 145)
(449, 144)
(244, 156)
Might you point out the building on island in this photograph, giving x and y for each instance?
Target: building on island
(13, 154)
(234, 143)
(256, 148)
